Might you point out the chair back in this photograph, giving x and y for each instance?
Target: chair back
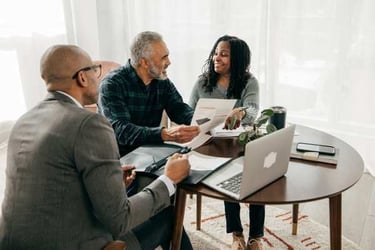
(107, 66)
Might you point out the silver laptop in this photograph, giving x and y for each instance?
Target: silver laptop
(266, 159)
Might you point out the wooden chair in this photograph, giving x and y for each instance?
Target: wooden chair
(107, 66)
(115, 245)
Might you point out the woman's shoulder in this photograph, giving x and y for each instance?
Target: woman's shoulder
(199, 83)
(201, 80)
(252, 83)
(252, 80)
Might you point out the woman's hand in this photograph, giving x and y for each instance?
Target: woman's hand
(233, 120)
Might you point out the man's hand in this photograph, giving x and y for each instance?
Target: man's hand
(177, 167)
(128, 174)
(180, 133)
(233, 120)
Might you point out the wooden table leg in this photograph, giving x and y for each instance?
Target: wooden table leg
(199, 211)
(335, 221)
(295, 219)
(180, 201)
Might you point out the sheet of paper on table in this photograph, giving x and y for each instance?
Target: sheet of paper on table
(205, 162)
(219, 131)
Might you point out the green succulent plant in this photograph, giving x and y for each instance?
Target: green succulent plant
(255, 132)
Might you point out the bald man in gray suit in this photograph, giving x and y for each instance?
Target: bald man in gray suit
(65, 187)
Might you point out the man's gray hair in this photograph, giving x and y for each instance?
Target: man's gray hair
(141, 46)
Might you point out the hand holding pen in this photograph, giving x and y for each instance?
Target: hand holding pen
(159, 164)
(177, 167)
(233, 120)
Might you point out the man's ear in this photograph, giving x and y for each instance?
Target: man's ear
(82, 80)
(144, 63)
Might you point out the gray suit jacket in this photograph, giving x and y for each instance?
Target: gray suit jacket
(64, 186)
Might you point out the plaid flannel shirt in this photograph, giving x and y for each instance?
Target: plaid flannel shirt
(135, 110)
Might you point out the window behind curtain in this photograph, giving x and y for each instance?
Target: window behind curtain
(27, 28)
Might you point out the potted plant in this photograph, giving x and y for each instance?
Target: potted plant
(254, 131)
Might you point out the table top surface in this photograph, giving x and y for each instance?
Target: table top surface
(304, 181)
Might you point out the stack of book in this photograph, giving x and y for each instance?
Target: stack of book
(314, 156)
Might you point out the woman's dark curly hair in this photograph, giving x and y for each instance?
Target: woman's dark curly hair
(240, 58)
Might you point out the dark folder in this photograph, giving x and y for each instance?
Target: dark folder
(152, 158)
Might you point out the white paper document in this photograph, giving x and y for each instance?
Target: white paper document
(219, 131)
(205, 162)
(210, 112)
(198, 141)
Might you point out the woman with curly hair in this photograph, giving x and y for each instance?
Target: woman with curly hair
(226, 75)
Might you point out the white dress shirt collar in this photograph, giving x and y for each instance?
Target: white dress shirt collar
(71, 97)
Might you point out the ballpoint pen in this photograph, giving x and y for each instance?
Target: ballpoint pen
(157, 165)
(233, 119)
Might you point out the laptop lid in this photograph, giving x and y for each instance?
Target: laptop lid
(266, 159)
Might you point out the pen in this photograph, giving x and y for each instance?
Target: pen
(243, 108)
(157, 165)
(234, 118)
(185, 150)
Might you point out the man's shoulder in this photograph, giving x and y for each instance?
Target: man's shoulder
(118, 75)
(164, 83)
(121, 77)
(67, 109)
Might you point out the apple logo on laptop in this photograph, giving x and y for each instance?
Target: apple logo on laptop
(270, 159)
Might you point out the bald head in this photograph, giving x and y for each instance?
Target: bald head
(57, 67)
(60, 62)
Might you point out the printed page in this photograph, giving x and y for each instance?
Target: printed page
(198, 141)
(210, 112)
(219, 131)
(205, 162)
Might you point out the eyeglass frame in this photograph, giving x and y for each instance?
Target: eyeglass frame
(87, 69)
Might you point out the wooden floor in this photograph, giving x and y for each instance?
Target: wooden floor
(358, 212)
(358, 215)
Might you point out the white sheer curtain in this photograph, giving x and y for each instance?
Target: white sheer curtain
(26, 30)
(316, 58)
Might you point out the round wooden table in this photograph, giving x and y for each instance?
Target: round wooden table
(304, 182)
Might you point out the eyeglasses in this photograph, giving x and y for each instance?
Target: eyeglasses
(97, 68)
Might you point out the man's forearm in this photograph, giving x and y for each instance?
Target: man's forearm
(133, 135)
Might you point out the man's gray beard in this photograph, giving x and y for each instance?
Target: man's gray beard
(154, 75)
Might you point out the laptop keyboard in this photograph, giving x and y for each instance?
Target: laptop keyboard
(232, 184)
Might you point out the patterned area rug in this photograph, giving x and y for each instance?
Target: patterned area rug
(278, 228)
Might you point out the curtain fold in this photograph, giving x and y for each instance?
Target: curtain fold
(26, 31)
